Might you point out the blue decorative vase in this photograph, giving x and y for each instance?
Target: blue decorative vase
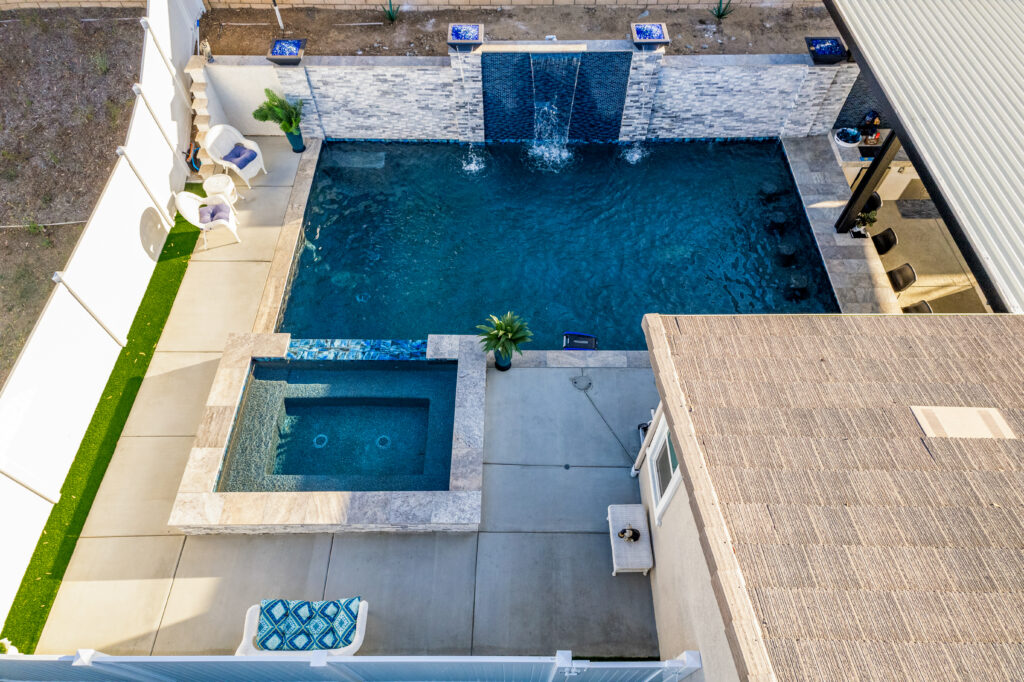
(502, 362)
(296, 141)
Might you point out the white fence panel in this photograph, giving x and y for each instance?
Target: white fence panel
(115, 256)
(353, 669)
(52, 393)
(23, 514)
(56, 383)
(167, 93)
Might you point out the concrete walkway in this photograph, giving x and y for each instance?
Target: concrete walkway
(119, 581)
(535, 579)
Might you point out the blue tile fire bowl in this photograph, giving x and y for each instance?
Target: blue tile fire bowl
(649, 34)
(465, 34)
(287, 52)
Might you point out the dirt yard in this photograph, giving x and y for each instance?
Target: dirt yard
(748, 30)
(66, 93)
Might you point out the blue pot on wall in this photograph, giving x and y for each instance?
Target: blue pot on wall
(502, 362)
(296, 141)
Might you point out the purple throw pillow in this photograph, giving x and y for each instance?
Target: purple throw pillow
(207, 214)
(240, 155)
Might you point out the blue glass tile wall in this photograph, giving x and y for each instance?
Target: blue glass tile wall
(508, 96)
(600, 97)
(588, 91)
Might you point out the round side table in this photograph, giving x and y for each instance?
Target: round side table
(221, 185)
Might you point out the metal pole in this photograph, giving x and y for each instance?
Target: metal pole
(167, 62)
(278, 13)
(137, 89)
(121, 151)
(868, 183)
(29, 488)
(58, 277)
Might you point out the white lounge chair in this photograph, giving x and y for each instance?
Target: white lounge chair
(219, 213)
(252, 621)
(228, 148)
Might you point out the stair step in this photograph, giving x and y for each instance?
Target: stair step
(202, 122)
(197, 87)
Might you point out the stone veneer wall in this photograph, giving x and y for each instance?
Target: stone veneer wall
(384, 97)
(483, 4)
(747, 96)
(640, 93)
(423, 5)
(441, 98)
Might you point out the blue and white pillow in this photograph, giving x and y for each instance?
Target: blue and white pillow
(289, 625)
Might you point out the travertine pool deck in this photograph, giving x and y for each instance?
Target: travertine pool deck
(536, 577)
(856, 272)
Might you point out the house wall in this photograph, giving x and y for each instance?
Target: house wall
(686, 611)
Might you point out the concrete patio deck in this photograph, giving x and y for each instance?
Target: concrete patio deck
(536, 578)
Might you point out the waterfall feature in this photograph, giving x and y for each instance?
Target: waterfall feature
(554, 89)
(549, 99)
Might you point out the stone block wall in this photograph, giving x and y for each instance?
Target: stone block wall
(641, 89)
(468, 95)
(395, 98)
(747, 96)
(429, 5)
(422, 5)
(441, 98)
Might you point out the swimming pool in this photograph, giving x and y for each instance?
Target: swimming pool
(406, 240)
(343, 425)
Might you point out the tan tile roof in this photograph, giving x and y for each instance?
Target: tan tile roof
(843, 543)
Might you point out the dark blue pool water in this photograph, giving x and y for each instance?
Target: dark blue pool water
(404, 240)
(347, 425)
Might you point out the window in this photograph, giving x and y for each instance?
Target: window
(664, 466)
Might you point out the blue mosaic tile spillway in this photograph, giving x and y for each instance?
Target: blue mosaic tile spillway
(373, 425)
(356, 349)
(587, 89)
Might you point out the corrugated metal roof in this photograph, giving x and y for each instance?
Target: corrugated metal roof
(954, 74)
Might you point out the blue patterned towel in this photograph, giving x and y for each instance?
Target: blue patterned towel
(287, 625)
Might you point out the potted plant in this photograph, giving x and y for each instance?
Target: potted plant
(504, 335)
(285, 114)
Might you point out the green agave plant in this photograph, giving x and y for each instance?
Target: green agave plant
(504, 334)
(722, 10)
(280, 111)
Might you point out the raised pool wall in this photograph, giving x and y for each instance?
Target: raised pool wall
(200, 508)
(443, 98)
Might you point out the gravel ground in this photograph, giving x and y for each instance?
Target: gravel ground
(748, 30)
(66, 96)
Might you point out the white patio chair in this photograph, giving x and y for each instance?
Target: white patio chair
(223, 213)
(220, 142)
(252, 621)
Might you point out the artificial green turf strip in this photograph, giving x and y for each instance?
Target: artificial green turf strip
(50, 559)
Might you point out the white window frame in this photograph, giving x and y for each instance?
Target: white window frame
(659, 443)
